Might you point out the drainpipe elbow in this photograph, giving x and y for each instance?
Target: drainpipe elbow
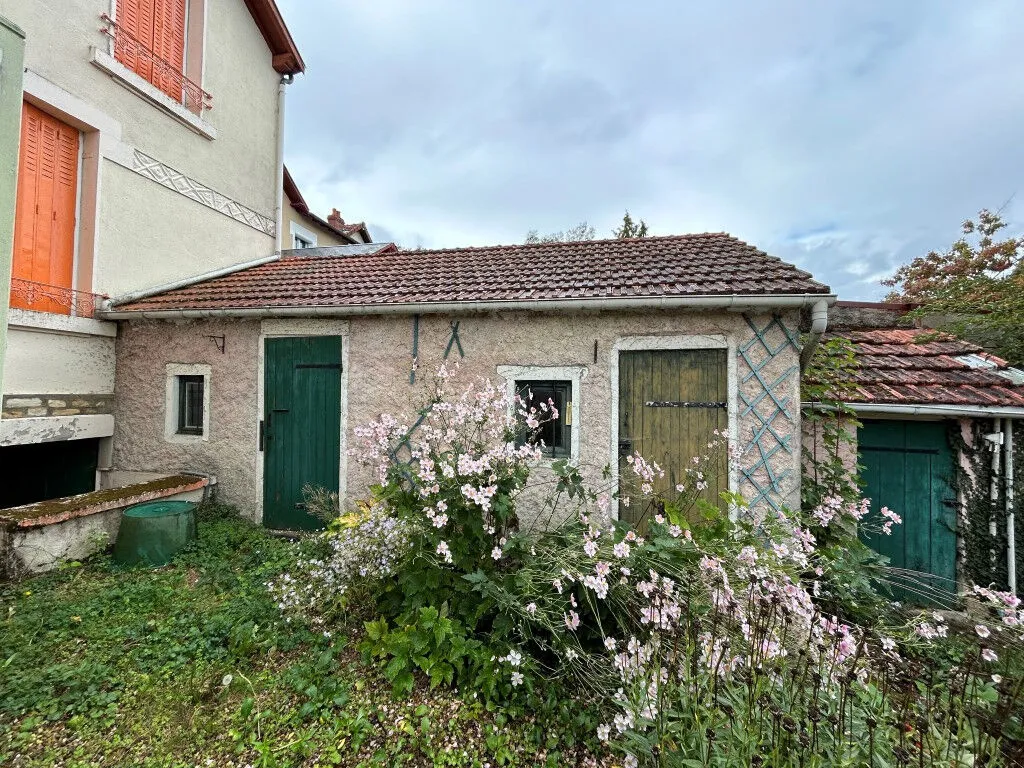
(819, 323)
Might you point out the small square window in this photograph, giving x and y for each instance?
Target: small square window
(555, 434)
(190, 404)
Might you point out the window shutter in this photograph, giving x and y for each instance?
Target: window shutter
(159, 25)
(65, 198)
(169, 44)
(28, 194)
(44, 227)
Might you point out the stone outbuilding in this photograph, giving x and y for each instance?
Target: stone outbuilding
(258, 377)
(936, 444)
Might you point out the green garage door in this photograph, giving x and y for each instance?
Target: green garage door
(907, 466)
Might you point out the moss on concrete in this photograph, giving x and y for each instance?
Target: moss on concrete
(104, 499)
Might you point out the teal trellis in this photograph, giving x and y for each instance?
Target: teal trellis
(775, 400)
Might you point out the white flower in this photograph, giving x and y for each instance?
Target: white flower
(997, 679)
(531, 609)
(226, 681)
(572, 620)
(517, 679)
(982, 630)
(496, 553)
(603, 732)
(610, 643)
(515, 658)
(442, 549)
(630, 762)
(989, 655)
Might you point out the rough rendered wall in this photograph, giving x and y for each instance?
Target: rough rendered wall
(143, 352)
(378, 358)
(380, 349)
(814, 444)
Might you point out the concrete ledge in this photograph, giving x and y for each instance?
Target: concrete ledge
(48, 322)
(59, 510)
(150, 92)
(38, 537)
(51, 429)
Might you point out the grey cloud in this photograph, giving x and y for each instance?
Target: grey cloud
(845, 137)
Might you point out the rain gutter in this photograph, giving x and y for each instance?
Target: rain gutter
(735, 303)
(936, 411)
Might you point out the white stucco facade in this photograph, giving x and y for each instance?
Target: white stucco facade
(164, 193)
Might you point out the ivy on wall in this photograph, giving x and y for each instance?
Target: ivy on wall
(829, 457)
(983, 555)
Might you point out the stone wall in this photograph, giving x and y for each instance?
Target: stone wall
(33, 406)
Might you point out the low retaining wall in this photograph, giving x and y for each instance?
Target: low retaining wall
(38, 537)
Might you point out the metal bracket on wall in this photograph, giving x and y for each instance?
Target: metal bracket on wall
(221, 342)
(454, 339)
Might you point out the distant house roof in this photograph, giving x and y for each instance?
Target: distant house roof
(298, 202)
(704, 265)
(904, 366)
(286, 57)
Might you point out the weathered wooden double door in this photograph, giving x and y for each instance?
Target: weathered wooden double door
(670, 403)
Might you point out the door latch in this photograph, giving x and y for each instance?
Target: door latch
(625, 447)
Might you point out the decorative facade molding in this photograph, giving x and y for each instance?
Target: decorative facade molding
(165, 176)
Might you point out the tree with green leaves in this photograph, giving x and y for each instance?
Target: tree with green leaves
(630, 228)
(974, 289)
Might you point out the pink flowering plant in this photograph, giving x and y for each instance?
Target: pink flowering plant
(700, 633)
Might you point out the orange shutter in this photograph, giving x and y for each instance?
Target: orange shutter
(169, 44)
(159, 26)
(44, 226)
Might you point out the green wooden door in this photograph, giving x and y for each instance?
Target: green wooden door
(301, 426)
(907, 466)
(670, 403)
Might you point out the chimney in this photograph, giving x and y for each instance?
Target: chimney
(335, 219)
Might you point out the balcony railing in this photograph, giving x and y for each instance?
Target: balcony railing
(40, 297)
(165, 76)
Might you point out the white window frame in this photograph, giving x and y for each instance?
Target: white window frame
(575, 374)
(299, 232)
(173, 371)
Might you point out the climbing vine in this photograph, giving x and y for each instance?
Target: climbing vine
(983, 553)
(830, 445)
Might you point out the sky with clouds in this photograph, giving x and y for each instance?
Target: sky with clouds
(844, 137)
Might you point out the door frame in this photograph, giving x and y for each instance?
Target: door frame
(679, 342)
(272, 328)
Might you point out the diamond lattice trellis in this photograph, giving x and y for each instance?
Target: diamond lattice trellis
(765, 399)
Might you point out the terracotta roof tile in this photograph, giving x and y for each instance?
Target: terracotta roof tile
(683, 265)
(912, 366)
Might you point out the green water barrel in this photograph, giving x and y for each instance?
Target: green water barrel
(152, 533)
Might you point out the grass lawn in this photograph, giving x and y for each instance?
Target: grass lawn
(191, 665)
